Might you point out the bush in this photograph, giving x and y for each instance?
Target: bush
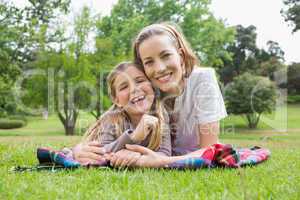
(251, 96)
(10, 124)
(18, 117)
(293, 99)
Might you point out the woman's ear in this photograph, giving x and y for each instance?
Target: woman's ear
(180, 51)
(182, 63)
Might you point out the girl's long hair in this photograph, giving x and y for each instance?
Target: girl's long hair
(117, 118)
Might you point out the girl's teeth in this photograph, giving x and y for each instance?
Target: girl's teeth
(136, 100)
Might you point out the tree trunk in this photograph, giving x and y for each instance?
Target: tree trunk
(253, 120)
(98, 110)
(70, 130)
(68, 120)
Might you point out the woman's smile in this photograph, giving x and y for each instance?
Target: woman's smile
(164, 78)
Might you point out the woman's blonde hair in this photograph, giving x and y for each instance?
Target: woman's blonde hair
(175, 34)
(117, 118)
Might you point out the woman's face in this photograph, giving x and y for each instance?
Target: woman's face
(163, 63)
(134, 92)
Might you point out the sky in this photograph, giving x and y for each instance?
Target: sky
(263, 14)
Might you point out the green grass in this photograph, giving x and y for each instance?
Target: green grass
(51, 126)
(291, 122)
(277, 178)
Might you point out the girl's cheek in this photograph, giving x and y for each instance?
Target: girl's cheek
(123, 97)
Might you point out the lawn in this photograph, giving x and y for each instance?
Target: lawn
(277, 178)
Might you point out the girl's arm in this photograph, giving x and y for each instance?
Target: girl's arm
(165, 146)
(111, 143)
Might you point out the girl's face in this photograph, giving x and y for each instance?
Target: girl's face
(134, 92)
(163, 63)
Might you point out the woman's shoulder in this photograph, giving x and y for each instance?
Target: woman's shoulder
(202, 74)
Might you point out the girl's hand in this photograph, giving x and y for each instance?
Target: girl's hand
(147, 124)
(89, 153)
(123, 158)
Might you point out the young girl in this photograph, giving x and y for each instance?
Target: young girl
(135, 117)
(191, 94)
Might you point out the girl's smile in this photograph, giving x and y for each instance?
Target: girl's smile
(134, 92)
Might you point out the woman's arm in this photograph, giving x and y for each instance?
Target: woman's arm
(153, 159)
(208, 134)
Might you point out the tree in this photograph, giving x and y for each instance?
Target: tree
(269, 67)
(9, 69)
(292, 13)
(76, 68)
(243, 52)
(70, 69)
(22, 33)
(207, 35)
(250, 96)
(294, 78)
(247, 57)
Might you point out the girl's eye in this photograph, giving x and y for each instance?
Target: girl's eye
(123, 87)
(140, 80)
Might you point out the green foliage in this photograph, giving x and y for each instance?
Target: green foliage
(269, 67)
(292, 13)
(207, 35)
(11, 123)
(247, 57)
(293, 99)
(23, 32)
(250, 96)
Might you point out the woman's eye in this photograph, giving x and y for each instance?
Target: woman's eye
(166, 55)
(148, 62)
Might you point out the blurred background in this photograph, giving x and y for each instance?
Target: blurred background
(56, 54)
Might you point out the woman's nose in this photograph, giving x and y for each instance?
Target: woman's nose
(160, 66)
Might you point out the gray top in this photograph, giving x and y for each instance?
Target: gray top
(111, 143)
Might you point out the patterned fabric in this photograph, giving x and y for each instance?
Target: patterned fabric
(217, 155)
(49, 156)
(223, 155)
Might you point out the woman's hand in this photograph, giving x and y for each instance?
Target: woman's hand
(147, 124)
(123, 158)
(89, 153)
(148, 157)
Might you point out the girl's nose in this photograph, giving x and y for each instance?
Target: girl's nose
(134, 87)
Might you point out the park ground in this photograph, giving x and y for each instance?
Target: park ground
(277, 178)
